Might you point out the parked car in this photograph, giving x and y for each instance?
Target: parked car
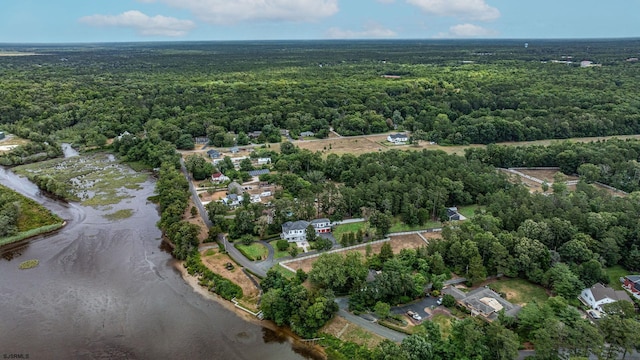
(439, 302)
(594, 314)
(414, 315)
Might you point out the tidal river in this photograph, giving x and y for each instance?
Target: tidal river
(106, 290)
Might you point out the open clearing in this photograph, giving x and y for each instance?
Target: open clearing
(398, 243)
(615, 273)
(546, 174)
(216, 263)
(519, 291)
(346, 331)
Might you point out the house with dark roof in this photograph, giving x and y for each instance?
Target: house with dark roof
(321, 226)
(254, 134)
(399, 138)
(483, 302)
(235, 188)
(258, 172)
(453, 213)
(598, 295)
(632, 283)
(294, 231)
(214, 154)
(307, 134)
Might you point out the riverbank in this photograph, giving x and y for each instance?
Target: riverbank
(315, 351)
(27, 235)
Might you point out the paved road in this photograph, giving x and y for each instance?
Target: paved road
(386, 333)
(231, 250)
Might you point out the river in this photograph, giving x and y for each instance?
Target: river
(107, 290)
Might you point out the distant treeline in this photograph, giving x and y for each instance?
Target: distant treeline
(449, 91)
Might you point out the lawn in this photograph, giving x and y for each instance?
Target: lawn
(470, 210)
(277, 253)
(254, 251)
(615, 273)
(520, 291)
(284, 272)
(399, 226)
(345, 228)
(444, 321)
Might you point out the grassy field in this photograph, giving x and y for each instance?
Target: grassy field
(254, 251)
(470, 210)
(33, 218)
(444, 321)
(277, 253)
(401, 227)
(286, 273)
(615, 273)
(95, 180)
(346, 228)
(520, 291)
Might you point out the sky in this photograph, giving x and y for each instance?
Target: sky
(72, 21)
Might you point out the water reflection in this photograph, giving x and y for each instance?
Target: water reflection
(110, 290)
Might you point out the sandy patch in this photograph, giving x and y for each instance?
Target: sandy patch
(546, 175)
(216, 264)
(197, 220)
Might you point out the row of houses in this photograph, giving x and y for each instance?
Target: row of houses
(296, 231)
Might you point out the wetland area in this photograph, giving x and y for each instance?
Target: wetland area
(105, 288)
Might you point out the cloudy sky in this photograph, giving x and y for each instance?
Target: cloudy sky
(44, 21)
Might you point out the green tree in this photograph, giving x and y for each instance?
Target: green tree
(382, 309)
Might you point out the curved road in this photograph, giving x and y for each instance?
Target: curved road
(231, 250)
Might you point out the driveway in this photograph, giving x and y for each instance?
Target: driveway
(417, 307)
(368, 323)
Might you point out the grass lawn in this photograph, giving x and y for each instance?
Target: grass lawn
(520, 291)
(345, 228)
(253, 251)
(286, 273)
(277, 253)
(444, 321)
(402, 227)
(615, 273)
(470, 210)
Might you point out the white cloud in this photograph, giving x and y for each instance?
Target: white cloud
(466, 9)
(466, 31)
(145, 25)
(234, 11)
(371, 30)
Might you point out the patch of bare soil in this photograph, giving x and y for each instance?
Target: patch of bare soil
(546, 175)
(346, 331)
(197, 220)
(216, 263)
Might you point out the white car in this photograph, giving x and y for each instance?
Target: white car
(439, 302)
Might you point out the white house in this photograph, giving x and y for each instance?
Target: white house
(233, 200)
(255, 199)
(219, 178)
(398, 138)
(264, 161)
(321, 225)
(294, 231)
(598, 295)
(265, 193)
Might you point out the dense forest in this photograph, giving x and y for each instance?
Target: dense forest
(448, 91)
(145, 101)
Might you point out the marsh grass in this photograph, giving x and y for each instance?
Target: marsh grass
(29, 264)
(120, 214)
(95, 180)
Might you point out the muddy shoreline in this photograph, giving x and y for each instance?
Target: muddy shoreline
(317, 352)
